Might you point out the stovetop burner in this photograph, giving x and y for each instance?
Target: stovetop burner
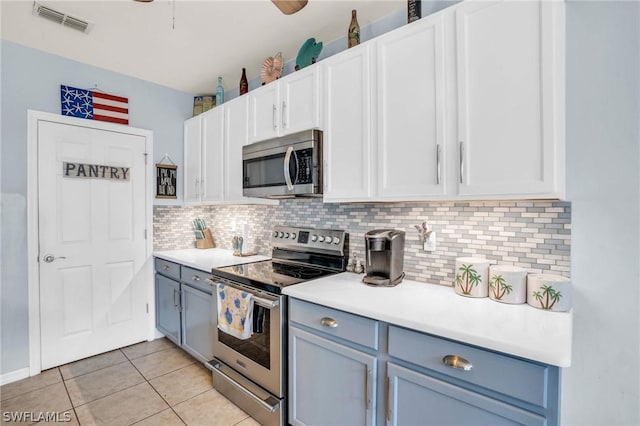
(299, 254)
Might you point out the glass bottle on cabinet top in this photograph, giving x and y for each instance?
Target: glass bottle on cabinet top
(244, 84)
(219, 92)
(353, 35)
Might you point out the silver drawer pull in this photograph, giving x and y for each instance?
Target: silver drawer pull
(195, 278)
(329, 322)
(455, 361)
(165, 267)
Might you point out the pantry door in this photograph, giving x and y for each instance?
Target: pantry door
(92, 211)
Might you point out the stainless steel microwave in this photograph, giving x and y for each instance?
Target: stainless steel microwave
(284, 167)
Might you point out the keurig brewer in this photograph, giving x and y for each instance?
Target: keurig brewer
(384, 257)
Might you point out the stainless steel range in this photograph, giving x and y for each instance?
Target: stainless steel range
(251, 371)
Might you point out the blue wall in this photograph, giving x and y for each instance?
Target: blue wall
(31, 80)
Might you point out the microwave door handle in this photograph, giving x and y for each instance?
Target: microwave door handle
(295, 157)
(287, 176)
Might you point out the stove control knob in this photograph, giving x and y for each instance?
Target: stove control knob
(336, 240)
(314, 238)
(328, 240)
(293, 235)
(275, 234)
(281, 234)
(286, 235)
(321, 238)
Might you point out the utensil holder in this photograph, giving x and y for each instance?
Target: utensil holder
(208, 240)
(549, 292)
(508, 284)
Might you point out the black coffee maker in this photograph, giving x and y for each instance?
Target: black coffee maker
(384, 257)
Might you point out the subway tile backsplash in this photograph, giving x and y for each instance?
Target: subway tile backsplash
(535, 235)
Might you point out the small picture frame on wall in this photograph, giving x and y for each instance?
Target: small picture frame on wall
(166, 180)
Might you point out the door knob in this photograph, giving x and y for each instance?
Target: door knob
(50, 258)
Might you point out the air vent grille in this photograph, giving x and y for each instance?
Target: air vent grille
(60, 17)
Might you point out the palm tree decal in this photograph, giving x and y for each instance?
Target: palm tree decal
(499, 287)
(468, 278)
(547, 297)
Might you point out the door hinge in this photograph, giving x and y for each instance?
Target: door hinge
(147, 308)
(145, 233)
(146, 157)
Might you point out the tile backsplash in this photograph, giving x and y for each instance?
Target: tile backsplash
(535, 235)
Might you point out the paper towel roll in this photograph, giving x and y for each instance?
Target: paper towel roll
(549, 292)
(472, 276)
(508, 284)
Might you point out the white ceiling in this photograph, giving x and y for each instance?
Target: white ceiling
(211, 37)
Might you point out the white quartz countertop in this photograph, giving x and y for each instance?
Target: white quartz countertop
(519, 330)
(206, 259)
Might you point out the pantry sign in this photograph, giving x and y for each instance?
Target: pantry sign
(94, 171)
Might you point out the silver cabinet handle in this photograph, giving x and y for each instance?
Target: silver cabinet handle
(48, 258)
(438, 164)
(273, 117)
(284, 114)
(195, 278)
(461, 162)
(175, 304)
(455, 361)
(388, 399)
(329, 322)
(325, 174)
(165, 267)
(287, 176)
(366, 387)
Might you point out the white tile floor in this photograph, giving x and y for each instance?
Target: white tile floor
(150, 383)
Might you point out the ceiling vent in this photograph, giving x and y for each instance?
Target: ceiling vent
(61, 18)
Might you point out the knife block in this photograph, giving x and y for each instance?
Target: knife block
(208, 240)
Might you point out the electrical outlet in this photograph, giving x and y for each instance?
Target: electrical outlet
(430, 243)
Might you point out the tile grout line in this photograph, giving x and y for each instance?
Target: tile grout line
(75, 413)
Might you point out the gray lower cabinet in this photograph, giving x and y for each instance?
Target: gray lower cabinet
(168, 308)
(420, 399)
(336, 358)
(329, 383)
(184, 311)
(197, 323)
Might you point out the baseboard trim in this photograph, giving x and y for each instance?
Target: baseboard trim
(14, 376)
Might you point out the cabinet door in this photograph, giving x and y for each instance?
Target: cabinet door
(329, 383)
(168, 307)
(411, 111)
(192, 159)
(300, 103)
(418, 399)
(510, 98)
(211, 151)
(236, 136)
(348, 141)
(197, 323)
(264, 112)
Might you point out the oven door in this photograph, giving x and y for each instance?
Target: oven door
(260, 357)
(281, 171)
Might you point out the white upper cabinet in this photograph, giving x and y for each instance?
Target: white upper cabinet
(510, 85)
(192, 159)
(348, 148)
(203, 139)
(288, 105)
(411, 111)
(213, 144)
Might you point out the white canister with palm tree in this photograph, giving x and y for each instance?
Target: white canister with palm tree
(508, 284)
(472, 277)
(549, 292)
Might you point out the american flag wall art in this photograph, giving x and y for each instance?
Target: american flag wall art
(94, 105)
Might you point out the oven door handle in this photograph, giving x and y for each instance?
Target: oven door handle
(287, 175)
(260, 301)
(270, 408)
